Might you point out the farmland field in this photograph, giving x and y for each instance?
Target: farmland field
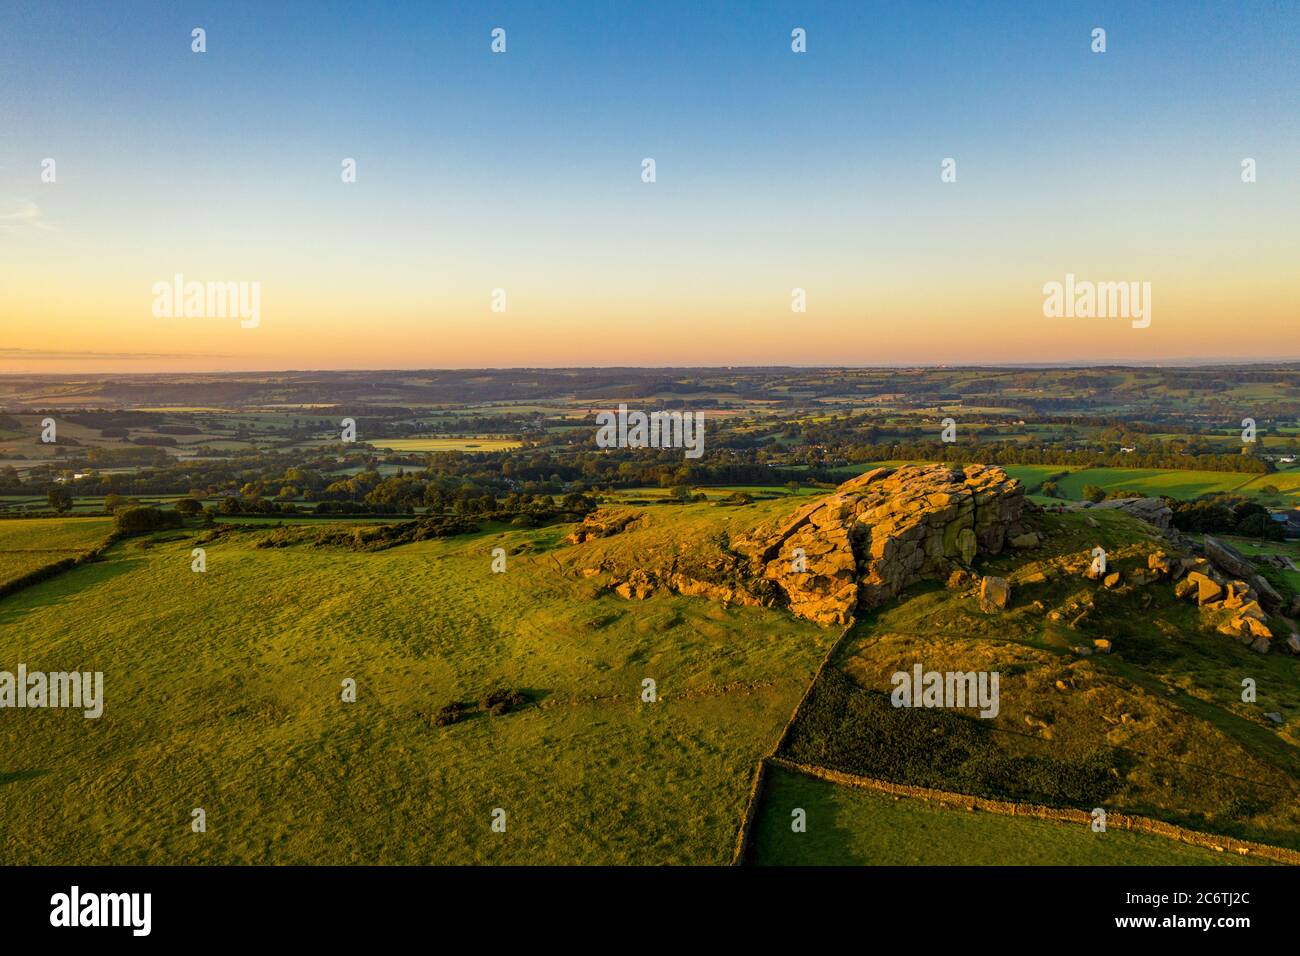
(30, 543)
(1155, 482)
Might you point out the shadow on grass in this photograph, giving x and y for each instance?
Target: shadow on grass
(64, 587)
(17, 776)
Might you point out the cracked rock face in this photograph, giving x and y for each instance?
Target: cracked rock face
(885, 530)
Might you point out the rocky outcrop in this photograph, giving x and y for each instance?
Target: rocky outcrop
(1233, 603)
(887, 529)
(603, 523)
(1235, 563)
(852, 550)
(1151, 510)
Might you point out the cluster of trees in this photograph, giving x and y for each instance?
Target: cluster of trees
(1226, 514)
(1012, 453)
(143, 519)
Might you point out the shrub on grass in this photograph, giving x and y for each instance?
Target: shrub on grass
(502, 701)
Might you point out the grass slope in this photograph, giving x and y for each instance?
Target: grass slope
(223, 692)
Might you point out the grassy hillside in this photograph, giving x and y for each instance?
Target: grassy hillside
(223, 692)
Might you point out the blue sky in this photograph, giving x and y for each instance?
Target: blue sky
(817, 169)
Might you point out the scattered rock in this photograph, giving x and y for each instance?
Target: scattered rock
(1274, 716)
(1207, 589)
(603, 523)
(961, 579)
(1029, 539)
(638, 586)
(1101, 645)
(1160, 563)
(1111, 580)
(1238, 565)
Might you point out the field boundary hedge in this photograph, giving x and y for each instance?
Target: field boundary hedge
(47, 571)
(1122, 821)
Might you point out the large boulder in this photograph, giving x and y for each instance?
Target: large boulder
(995, 594)
(887, 529)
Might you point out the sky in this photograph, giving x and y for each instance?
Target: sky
(522, 171)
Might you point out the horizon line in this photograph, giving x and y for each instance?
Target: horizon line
(1181, 363)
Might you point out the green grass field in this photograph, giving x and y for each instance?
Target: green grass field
(850, 826)
(223, 692)
(1155, 482)
(30, 543)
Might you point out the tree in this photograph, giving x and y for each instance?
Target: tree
(143, 519)
(1094, 493)
(187, 507)
(1049, 489)
(60, 500)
